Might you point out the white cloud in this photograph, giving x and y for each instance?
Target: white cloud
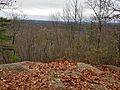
(41, 3)
(38, 11)
(40, 8)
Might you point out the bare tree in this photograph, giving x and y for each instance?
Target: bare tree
(114, 6)
(101, 10)
(15, 27)
(6, 3)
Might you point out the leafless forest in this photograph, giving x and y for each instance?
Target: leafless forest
(67, 35)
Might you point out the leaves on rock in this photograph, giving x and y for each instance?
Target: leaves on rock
(60, 75)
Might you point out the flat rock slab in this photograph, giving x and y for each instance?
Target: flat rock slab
(56, 82)
(89, 67)
(97, 87)
(112, 79)
(113, 67)
(59, 75)
(20, 66)
(69, 73)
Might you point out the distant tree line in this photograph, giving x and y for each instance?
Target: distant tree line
(96, 41)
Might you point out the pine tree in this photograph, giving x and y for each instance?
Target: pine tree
(6, 49)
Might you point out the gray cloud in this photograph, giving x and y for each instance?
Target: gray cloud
(40, 9)
(42, 3)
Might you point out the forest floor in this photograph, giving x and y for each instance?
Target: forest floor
(61, 74)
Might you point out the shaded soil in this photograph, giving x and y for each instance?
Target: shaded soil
(59, 75)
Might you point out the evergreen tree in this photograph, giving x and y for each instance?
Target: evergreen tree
(6, 48)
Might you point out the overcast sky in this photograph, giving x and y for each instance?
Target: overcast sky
(41, 9)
